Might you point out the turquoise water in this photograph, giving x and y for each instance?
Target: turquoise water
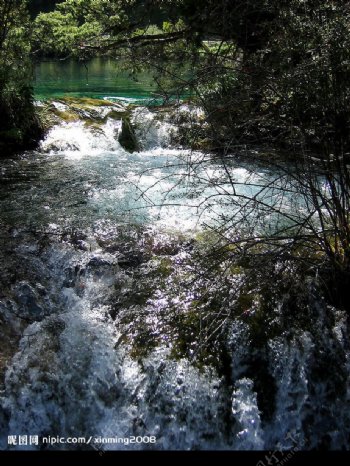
(99, 78)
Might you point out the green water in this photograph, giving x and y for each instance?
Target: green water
(98, 78)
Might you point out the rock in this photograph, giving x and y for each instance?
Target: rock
(54, 325)
(127, 138)
(62, 147)
(98, 262)
(90, 111)
(29, 301)
(130, 260)
(71, 275)
(82, 245)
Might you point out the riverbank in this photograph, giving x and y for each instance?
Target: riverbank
(21, 128)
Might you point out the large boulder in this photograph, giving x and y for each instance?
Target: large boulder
(127, 138)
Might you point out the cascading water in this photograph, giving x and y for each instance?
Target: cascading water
(68, 221)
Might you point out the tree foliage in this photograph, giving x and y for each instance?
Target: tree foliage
(20, 126)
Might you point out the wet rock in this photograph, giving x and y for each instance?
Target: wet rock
(90, 111)
(71, 276)
(54, 325)
(3, 421)
(41, 289)
(82, 245)
(98, 262)
(106, 392)
(138, 426)
(10, 330)
(29, 301)
(66, 146)
(127, 138)
(130, 260)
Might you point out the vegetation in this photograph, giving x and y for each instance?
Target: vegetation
(20, 126)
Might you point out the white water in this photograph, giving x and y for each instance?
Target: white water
(73, 374)
(75, 140)
(181, 189)
(71, 377)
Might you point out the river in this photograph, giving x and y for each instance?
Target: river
(96, 274)
(96, 78)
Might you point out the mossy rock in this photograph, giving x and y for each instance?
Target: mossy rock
(67, 116)
(95, 126)
(117, 115)
(84, 102)
(85, 109)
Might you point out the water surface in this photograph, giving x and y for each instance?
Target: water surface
(97, 78)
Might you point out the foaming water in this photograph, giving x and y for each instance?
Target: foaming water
(152, 132)
(73, 374)
(82, 175)
(76, 139)
(73, 377)
(65, 262)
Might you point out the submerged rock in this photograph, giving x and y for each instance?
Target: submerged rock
(63, 146)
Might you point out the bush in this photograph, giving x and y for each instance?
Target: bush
(20, 127)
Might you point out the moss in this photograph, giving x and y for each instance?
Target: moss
(186, 326)
(235, 270)
(141, 337)
(198, 143)
(66, 115)
(81, 109)
(207, 238)
(139, 297)
(165, 267)
(245, 301)
(117, 115)
(94, 125)
(191, 335)
(143, 343)
(255, 306)
(84, 102)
